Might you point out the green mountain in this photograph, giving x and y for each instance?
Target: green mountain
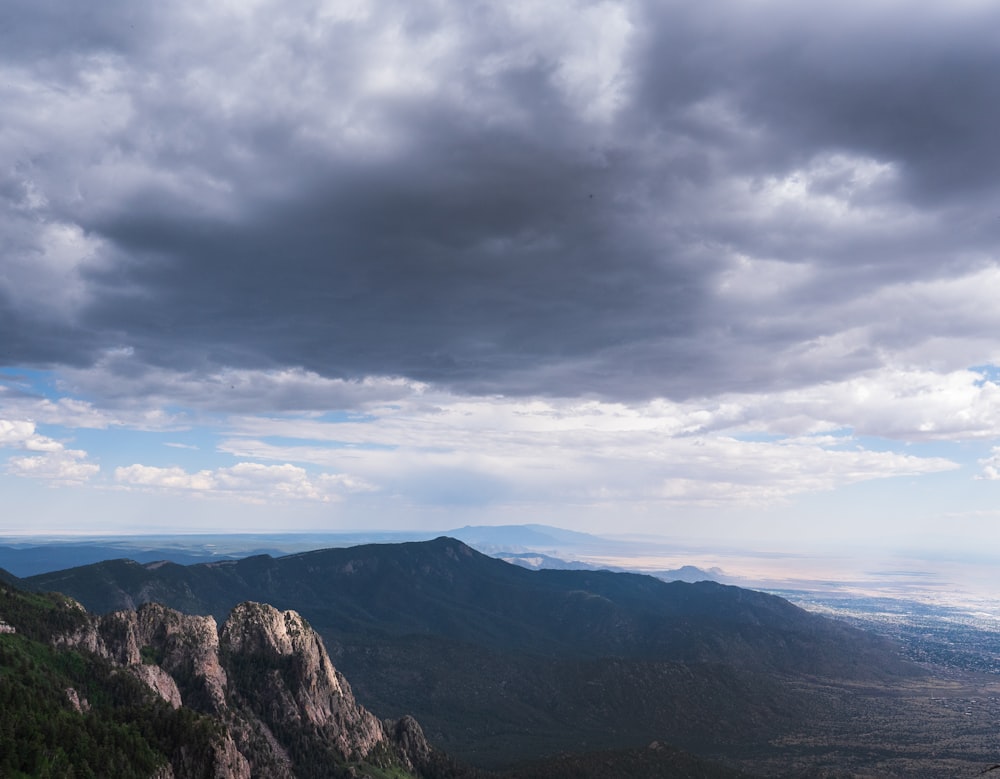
(502, 664)
(159, 694)
(68, 713)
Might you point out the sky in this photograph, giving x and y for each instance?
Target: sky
(718, 270)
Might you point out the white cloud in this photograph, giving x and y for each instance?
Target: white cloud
(699, 451)
(899, 404)
(991, 466)
(170, 478)
(732, 472)
(75, 413)
(56, 463)
(18, 432)
(61, 466)
(246, 481)
(895, 403)
(572, 451)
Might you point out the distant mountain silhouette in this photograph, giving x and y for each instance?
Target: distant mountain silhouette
(536, 561)
(501, 663)
(691, 573)
(33, 557)
(34, 560)
(529, 536)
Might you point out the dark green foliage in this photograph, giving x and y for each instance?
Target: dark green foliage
(123, 729)
(151, 655)
(39, 616)
(41, 734)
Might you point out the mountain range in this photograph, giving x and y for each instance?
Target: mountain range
(501, 664)
(30, 556)
(160, 694)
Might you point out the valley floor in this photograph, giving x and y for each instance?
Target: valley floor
(945, 726)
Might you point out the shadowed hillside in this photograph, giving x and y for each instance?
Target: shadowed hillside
(501, 663)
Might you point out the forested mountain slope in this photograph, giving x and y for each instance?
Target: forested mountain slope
(500, 663)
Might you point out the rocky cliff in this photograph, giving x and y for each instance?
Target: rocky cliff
(267, 680)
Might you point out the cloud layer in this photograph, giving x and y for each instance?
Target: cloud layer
(692, 252)
(620, 199)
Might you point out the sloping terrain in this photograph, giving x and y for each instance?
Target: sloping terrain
(444, 588)
(501, 664)
(157, 693)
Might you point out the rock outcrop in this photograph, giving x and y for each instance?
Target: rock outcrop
(292, 679)
(159, 681)
(266, 677)
(183, 647)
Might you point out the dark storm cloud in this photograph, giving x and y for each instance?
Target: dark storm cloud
(910, 85)
(453, 266)
(488, 219)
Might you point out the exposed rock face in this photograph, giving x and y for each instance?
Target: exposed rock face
(185, 647)
(159, 681)
(226, 762)
(267, 677)
(409, 738)
(300, 683)
(79, 704)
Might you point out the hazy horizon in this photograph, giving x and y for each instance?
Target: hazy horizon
(963, 581)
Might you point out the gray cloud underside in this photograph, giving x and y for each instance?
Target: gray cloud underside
(491, 216)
